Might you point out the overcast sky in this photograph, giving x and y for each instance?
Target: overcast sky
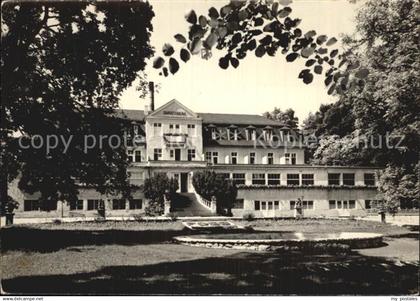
(258, 84)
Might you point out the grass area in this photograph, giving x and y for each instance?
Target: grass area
(139, 258)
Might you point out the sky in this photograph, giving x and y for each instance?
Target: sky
(258, 84)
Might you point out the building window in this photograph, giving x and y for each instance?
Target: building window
(258, 179)
(251, 134)
(308, 204)
(234, 158)
(290, 158)
(293, 179)
(368, 204)
(76, 205)
(332, 204)
(273, 179)
(135, 129)
(333, 179)
(307, 179)
(276, 205)
(238, 178)
(171, 153)
(348, 179)
(191, 129)
(251, 158)
(215, 157)
(157, 127)
(177, 128)
(270, 158)
(292, 205)
(208, 157)
(257, 205)
(238, 204)
(93, 204)
(352, 204)
(136, 204)
(369, 179)
(191, 154)
(31, 205)
(130, 155)
(137, 156)
(268, 135)
(118, 204)
(157, 154)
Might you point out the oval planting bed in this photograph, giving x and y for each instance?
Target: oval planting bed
(263, 241)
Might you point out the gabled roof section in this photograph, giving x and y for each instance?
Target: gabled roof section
(137, 115)
(173, 108)
(243, 119)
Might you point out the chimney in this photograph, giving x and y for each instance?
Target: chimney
(152, 95)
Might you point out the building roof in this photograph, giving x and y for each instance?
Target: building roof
(130, 114)
(244, 119)
(209, 118)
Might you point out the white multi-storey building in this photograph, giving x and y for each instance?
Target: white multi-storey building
(265, 159)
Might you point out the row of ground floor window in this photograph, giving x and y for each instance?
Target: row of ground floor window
(138, 204)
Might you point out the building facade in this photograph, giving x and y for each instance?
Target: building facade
(265, 159)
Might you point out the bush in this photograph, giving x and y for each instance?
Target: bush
(209, 184)
(154, 189)
(154, 208)
(248, 217)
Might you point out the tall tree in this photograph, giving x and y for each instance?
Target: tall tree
(386, 111)
(64, 66)
(286, 117)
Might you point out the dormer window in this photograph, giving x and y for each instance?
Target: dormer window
(214, 133)
(232, 132)
(268, 133)
(135, 129)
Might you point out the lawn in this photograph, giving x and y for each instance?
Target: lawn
(140, 258)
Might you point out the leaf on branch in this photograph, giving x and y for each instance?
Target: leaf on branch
(331, 41)
(211, 40)
(191, 17)
(266, 40)
(321, 39)
(180, 38)
(158, 62)
(334, 53)
(258, 22)
(318, 69)
(362, 73)
(328, 80)
(310, 34)
(213, 13)
(251, 45)
(310, 62)
(283, 13)
(331, 89)
(242, 15)
(260, 51)
(275, 8)
(307, 52)
(167, 49)
(234, 62)
(195, 46)
(322, 50)
(173, 65)
(225, 10)
(224, 62)
(306, 76)
(185, 55)
(202, 21)
(222, 31)
(292, 56)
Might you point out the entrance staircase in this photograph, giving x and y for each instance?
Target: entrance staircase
(186, 204)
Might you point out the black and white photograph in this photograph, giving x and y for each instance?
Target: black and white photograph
(210, 148)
